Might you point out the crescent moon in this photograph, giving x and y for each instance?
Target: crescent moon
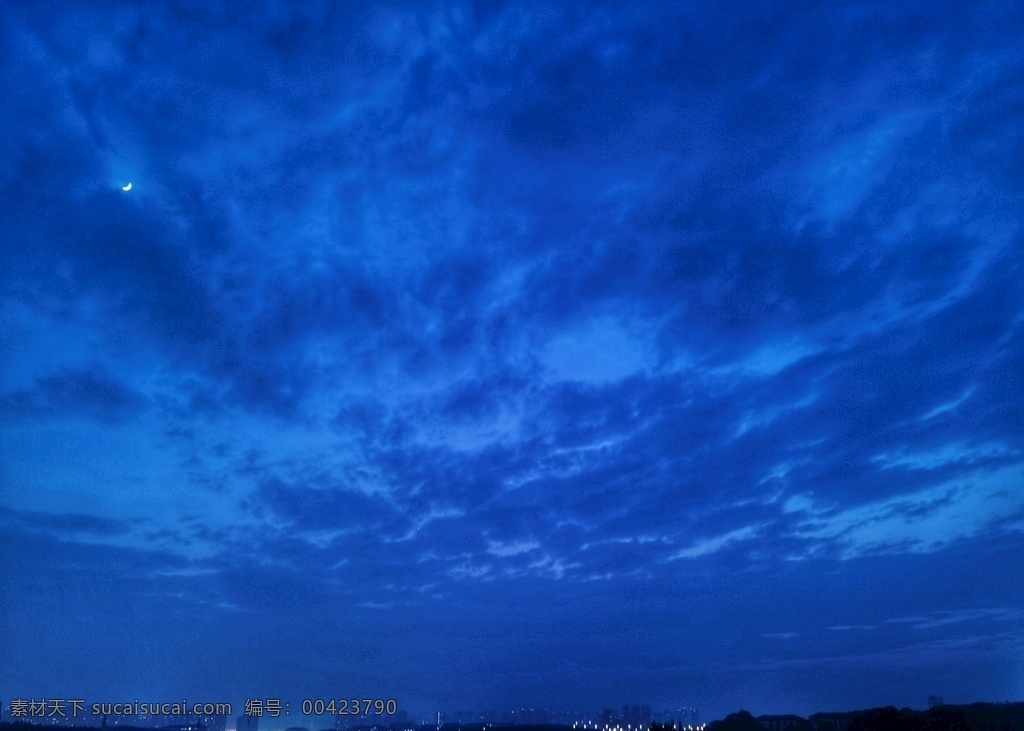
(127, 187)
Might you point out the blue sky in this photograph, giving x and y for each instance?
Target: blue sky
(488, 355)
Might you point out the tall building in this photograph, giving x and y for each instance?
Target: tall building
(635, 715)
(247, 723)
(213, 723)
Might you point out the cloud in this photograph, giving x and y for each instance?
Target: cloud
(942, 618)
(950, 453)
(64, 524)
(711, 545)
(500, 550)
(74, 393)
(923, 521)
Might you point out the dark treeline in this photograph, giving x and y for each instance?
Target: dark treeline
(973, 717)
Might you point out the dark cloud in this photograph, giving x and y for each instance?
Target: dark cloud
(73, 393)
(58, 524)
(322, 508)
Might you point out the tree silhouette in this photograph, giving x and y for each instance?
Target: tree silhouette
(739, 721)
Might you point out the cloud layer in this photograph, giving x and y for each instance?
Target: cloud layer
(521, 354)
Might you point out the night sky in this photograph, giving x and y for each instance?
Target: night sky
(487, 356)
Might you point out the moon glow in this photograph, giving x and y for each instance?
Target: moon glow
(126, 187)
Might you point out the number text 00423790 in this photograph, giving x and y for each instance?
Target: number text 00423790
(350, 707)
